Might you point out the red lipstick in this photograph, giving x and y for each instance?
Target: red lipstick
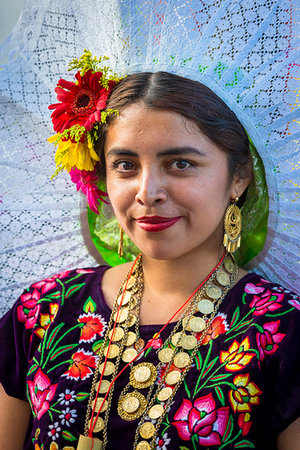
(156, 223)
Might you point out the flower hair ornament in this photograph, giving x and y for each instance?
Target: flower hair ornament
(76, 119)
(246, 52)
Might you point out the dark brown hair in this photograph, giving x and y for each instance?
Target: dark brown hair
(191, 99)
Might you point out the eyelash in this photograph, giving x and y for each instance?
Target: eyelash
(116, 164)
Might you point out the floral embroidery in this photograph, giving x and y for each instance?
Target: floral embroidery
(82, 365)
(65, 398)
(28, 312)
(41, 392)
(251, 288)
(244, 395)
(267, 342)
(237, 356)
(54, 431)
(244, 423)
(162, 442)
(217, 327)
(46, 320)
(68, 416)
(203, 419)
(268, 301)
(92, 325)
(295, 303)
(49, 283)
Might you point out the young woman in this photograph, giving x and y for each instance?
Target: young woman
(181, 349)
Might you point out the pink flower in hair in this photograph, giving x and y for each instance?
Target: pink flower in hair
(86, 182)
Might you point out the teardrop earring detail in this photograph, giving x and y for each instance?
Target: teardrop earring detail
(120, 247)
(232, 227)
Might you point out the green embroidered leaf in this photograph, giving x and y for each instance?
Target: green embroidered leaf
(73, 289)
(81, 396)
(183, 448)
(69, 436)
(53, 295)
(228, 431)
(243, 324)
(220, 395)
(244, 444)
(97, 346)
(53, 334)
(62, 349)
(198, 360)
(32, 369)
(221, 377)
(235, 317)
(210, 366)
(89, 306)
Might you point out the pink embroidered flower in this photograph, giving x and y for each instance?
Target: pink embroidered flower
(49, 283)
(156, 343)
(82, 364)
(41, 391)
(201, 418)
(86, 182)
(251, 288)
(92, 325)
(268, 341)
(267, 302)
(29, 310)
(295, 302)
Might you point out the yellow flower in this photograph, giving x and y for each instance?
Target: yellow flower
(70, 154)
(244, 395)
(237, 357)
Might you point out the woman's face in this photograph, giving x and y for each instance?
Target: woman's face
(167, 182)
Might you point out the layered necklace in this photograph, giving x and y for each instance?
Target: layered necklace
(151, 389)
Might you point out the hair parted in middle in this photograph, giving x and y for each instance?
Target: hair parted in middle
(191, 99)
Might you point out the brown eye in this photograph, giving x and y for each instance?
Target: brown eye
(124, 166)
(181, 164)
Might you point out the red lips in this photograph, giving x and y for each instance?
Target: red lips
(156, 223)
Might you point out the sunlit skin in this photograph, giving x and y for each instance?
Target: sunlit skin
(159, 164)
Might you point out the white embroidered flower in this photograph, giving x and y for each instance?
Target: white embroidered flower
(66, 397)
(162, 442)
(68, 416)
(54, 431)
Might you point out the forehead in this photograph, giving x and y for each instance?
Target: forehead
(138, 127)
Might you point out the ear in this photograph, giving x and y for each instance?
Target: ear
(238, 186)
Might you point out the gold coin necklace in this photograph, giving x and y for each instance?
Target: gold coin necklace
(121, 343)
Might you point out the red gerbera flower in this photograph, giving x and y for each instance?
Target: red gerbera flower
(92, 324)
(81, 103)
(82, 365)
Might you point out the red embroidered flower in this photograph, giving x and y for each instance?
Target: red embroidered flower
(46, 320)
(29, 310)
(268, 341)
(268, 301)
(201, 418)
(41, 391)
(86, 182)
(80, 103)
(82, 365)
(244, 423)
(217, 327)
(49, 283)
(92, 325)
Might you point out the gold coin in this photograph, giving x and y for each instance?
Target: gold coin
(142, 373)
(129, 354)
(229, 265)
(156, 411)
(117, 335)
(147, 430)
(109, 368)
(175, 338)
(131, 338)
(197, 324)
(188, 342)
(164, 394)
(131, 320)
(181, 359)
(139, 344)
(126, 298)
(98, 402)
(173, 377)
(205, 306)
(165, 355)
(186, 323)
(131, 404)
(131, 282)
(121, 316)
(213, 292)
(223, 278)
(99, 425)
(143, 445)
(134, 303)
(113, 351)
(103, 387)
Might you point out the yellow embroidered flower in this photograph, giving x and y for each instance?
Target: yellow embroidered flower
(46, 320)
(237, 356)
(244, 395)
(71, 154)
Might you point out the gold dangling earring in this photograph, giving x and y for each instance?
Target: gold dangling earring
(120, 248)
(232, 227)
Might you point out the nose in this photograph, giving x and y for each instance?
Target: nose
(151, 189)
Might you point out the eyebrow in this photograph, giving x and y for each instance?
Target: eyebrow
(169, 151)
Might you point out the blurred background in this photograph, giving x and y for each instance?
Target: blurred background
(9, 14)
